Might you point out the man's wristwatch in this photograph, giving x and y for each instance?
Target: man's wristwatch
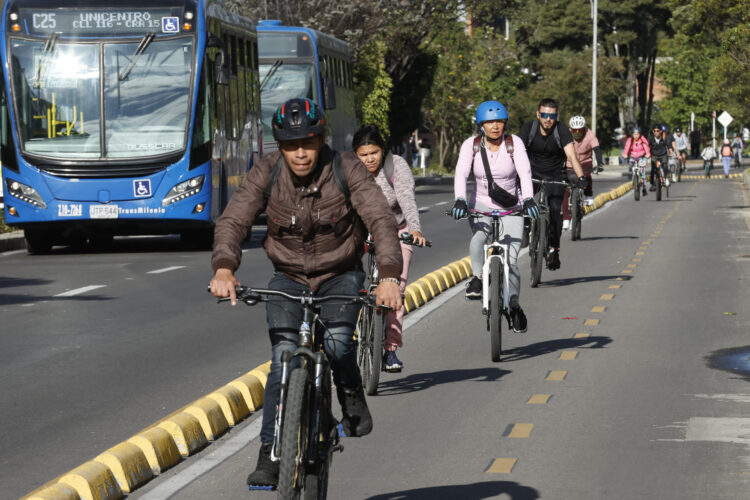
(392, 280)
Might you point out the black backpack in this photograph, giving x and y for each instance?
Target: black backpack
(535, 128)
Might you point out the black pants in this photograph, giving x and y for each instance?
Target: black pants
(555, 196)
(664, 160)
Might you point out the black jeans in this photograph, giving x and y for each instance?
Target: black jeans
(338, 321)
(664, 160)
(555, 195)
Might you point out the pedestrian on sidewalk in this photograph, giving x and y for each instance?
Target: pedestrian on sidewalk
(726, 157)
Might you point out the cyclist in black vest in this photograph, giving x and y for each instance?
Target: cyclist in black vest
(662, 148)
(549, 144)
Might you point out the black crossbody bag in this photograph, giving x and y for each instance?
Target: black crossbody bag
(498, 194)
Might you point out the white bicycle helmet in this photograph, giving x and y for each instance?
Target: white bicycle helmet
(577, 122)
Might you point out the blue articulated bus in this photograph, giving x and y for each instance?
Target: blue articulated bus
(124, 117)
(302, 62)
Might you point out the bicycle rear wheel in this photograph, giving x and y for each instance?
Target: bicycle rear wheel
(537, 242)
(294, 435)
(494, 314)
(371, 332)
(636, 186)
(575, 214)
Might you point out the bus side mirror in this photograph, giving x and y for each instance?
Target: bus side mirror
(329, 94)
(221, 63)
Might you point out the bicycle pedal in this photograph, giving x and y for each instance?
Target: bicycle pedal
(337, 447)
(253, 487)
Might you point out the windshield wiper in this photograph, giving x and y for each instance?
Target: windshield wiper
(276, 65)
(49, 46)
(142, 46)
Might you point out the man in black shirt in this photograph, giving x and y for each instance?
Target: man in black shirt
(662, 148)
(549, 144)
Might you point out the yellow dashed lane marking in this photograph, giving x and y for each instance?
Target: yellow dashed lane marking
(521, 431)
(598, 309)
(539, 399)
(557, 375)
(608, 296)
(502, 465)
(615, 286)
(626, 271)
(640, 253)
(568, 355)
(636, 259)
(591, 322)
(632, 266)
(581, 335)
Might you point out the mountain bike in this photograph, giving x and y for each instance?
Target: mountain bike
(575, 204)
(638, 169)
(661, 181)
(305, 433)
(538, 232)
(496, 279)
(371, 325)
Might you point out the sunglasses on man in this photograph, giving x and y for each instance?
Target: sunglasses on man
(548, 116)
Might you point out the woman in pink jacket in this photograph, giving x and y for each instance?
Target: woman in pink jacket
(637, 151)
(511, 173)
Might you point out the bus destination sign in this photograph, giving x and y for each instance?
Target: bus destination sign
(45, 22)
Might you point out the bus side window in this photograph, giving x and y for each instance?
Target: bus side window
(329, 87)
(201, 141)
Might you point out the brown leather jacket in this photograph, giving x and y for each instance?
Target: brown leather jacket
(314, 232)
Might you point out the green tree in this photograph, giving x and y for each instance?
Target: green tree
(373, 87)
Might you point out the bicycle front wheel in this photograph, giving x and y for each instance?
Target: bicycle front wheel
(657, 180)
(495, 310)
(294, 436)
(316, 476)
(537, 241)
(371, 334)
(636, 186)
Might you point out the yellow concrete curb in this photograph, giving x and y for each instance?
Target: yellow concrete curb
(128, 465)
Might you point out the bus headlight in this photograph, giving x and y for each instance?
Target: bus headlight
(183, 190)
(24, 193)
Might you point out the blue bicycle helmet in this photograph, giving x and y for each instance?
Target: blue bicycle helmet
(491, 110)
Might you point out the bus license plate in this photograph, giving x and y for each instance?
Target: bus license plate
(104, 211)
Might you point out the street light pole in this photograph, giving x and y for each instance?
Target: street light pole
(594, 15)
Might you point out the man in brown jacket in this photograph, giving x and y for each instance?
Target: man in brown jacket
(315, 240)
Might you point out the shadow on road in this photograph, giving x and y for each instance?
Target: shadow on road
(594, 238)
(6, 282)
(581, 279)
(422, 381)
(9, 300)
(475, 491)
(550, 346)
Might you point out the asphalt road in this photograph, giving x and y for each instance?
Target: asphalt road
(640, 413)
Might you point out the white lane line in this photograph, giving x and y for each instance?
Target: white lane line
(12, 252)
(423, 209)
(211, 460)
(165, 270)
(79, 291)
(442, 203)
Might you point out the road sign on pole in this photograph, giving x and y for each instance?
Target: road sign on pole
(725, 118)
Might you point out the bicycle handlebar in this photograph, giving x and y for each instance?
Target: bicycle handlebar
(405, 238)
(251, 296)
(545, 181)
(476, 214)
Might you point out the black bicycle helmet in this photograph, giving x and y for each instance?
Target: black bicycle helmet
(298, 118)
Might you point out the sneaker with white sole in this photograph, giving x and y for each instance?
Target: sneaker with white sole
(391, 362)
(474, 288)
(566, 224)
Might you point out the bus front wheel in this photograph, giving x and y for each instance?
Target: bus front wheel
(37, 241)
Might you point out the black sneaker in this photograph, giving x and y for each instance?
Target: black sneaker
(391, 362)
(266, 473)
(518, 319)
(553, 260)
(474, 288)
(652, 188)
(357, 420)
(644, 192)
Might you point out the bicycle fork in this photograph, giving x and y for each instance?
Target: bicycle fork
(500, 252)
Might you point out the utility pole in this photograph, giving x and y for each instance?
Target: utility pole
(594, 15)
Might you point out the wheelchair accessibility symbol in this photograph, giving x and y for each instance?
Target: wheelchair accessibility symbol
(142, 188)
(170, 25)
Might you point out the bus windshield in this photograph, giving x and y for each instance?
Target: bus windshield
(143, 85)
(282, 82)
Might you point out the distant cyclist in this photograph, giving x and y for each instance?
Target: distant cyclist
(636, 147)
(681, 145)
(726, 157)
(549, 143)
(587, 148)
(661, 149)
(397, 184)
(510, 173)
